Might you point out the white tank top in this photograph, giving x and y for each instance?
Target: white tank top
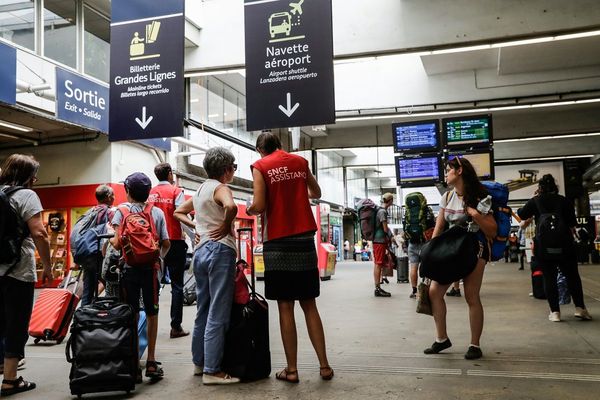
(210, 215)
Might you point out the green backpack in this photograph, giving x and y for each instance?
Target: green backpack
(417, 217)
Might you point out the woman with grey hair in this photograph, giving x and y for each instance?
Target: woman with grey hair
(214, 263)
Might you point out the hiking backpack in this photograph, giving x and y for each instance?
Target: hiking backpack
(84, 237)
(417, 218)
(552, 233)
(367, 216)
(12, 234)
(502, 215)
(138, 239)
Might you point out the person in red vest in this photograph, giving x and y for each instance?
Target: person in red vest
(168, 197)
(283, 185)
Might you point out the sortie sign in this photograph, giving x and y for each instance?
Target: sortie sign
(289, 63)
(146, 69)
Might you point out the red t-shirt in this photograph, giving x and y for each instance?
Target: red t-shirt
(163, 197)
(288, 211)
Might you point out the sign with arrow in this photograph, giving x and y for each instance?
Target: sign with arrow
(289, 63)
(146, 70)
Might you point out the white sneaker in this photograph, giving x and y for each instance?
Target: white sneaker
(582, 314)
(217, 380)
(198, 370)
(554, 316)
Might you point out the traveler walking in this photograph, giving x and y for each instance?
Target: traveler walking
(214, 264)
(168, 197)
(23, 233)
(381, 240)
(554, 245)
(141, 235)
(461, 207)
(283, 185)
(346, 248)
(84, 243)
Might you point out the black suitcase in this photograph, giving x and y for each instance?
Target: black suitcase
(402, 269)
(102, 348)
(247, 350)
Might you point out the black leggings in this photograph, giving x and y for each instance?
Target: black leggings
(16, 303)
(570, 270)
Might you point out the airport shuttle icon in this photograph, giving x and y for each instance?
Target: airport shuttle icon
(280, 23)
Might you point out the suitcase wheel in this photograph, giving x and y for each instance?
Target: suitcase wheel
(36, 340)
(325, 278)
(59, 341)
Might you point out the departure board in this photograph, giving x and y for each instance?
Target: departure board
(422, 170)
(467, 130)
(482, 162)
(416, 136)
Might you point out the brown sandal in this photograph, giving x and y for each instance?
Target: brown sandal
(284, 375)
(327, 377)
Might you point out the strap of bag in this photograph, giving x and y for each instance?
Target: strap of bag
(148, 213)
(9, 191)
(251, 263)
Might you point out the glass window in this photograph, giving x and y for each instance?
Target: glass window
(17, 20)
(96, 44)
(60, 33)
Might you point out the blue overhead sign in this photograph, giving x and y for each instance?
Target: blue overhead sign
(8, 74)
(146, 70)
(81, 101)
(161, 144)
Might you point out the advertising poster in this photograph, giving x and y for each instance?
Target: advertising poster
(522, 179)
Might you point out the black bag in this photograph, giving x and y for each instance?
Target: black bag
(552, 233)
(450, 256)
(12, 232)
(102, 348)
(247, 350)
(402, 269)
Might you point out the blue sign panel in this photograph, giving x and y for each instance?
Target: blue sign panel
(8, 74)
(146, 70)
(81, 101)
(161, 144)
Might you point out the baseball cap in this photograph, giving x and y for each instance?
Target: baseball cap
(387, 196)
(138, 184)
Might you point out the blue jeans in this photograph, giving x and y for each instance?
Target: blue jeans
(214, 270)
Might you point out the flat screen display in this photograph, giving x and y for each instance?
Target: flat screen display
(419, 171)
(483, 162)
(418, 136)
(465, 131)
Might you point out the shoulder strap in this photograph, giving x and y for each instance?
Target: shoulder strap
(10, 190)
(125, 211)
(148, 213)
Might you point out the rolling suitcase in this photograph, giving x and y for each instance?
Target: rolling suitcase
(53, 311)
(247, 352)
(402, 269)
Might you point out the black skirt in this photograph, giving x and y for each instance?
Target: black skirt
(291, 271)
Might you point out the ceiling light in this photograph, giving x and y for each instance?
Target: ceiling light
(16, 127)
(542, 159)
(527, 139)
(241, 71)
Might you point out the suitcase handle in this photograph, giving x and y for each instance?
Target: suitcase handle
(68, 349)
(251, 263)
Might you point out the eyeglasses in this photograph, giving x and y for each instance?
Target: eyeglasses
(234, 166)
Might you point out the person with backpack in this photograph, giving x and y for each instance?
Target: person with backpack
(418, 222)
(213, 263)
(84, 243)
(168, 197)
(554, 245)
(22, 231)
(467, 205)
(141, 235)
(381, 241)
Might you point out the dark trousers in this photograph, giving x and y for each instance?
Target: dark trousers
(16, 304)
(90, 267)
(175, 263)
(569, 268)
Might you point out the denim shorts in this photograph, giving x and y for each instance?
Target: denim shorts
(414, 252)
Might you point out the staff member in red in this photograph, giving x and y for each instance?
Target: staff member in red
(168, 197)
(283, 185)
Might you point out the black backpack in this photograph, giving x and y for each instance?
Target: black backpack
(552, 233)
(12, 234)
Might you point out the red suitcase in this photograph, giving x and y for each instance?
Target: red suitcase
(52, 314)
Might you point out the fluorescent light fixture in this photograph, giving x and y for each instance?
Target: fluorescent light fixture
(528, 139)
(241, 71)
(467, 111)
(462, 49)
(16, 127)
(542, 159)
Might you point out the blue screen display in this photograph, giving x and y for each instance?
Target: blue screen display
(417, 136)
(418, 169)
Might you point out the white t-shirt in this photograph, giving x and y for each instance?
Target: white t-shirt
(454, 210)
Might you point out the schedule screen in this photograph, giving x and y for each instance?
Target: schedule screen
(421, 136)
(423, 169)
(482, 162)
(467, 130)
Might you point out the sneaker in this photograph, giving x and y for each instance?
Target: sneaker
(453, 292)
(21, 364)
(412, 296)
(473, 353)
(554, 316)
(198, 370)
(582, 314)
(436, 347)
(379, 292)
(217, 380)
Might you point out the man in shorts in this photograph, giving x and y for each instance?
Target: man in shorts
(380, 242)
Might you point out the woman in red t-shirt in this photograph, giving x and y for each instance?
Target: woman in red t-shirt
(283, 185)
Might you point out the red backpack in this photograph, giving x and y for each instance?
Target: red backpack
(138, 239)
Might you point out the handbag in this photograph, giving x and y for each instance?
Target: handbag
(389, 264)
(423, 300)
(450, 256)
(241, 291)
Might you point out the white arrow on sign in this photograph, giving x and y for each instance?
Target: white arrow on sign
(144, 122)
(289, 110)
